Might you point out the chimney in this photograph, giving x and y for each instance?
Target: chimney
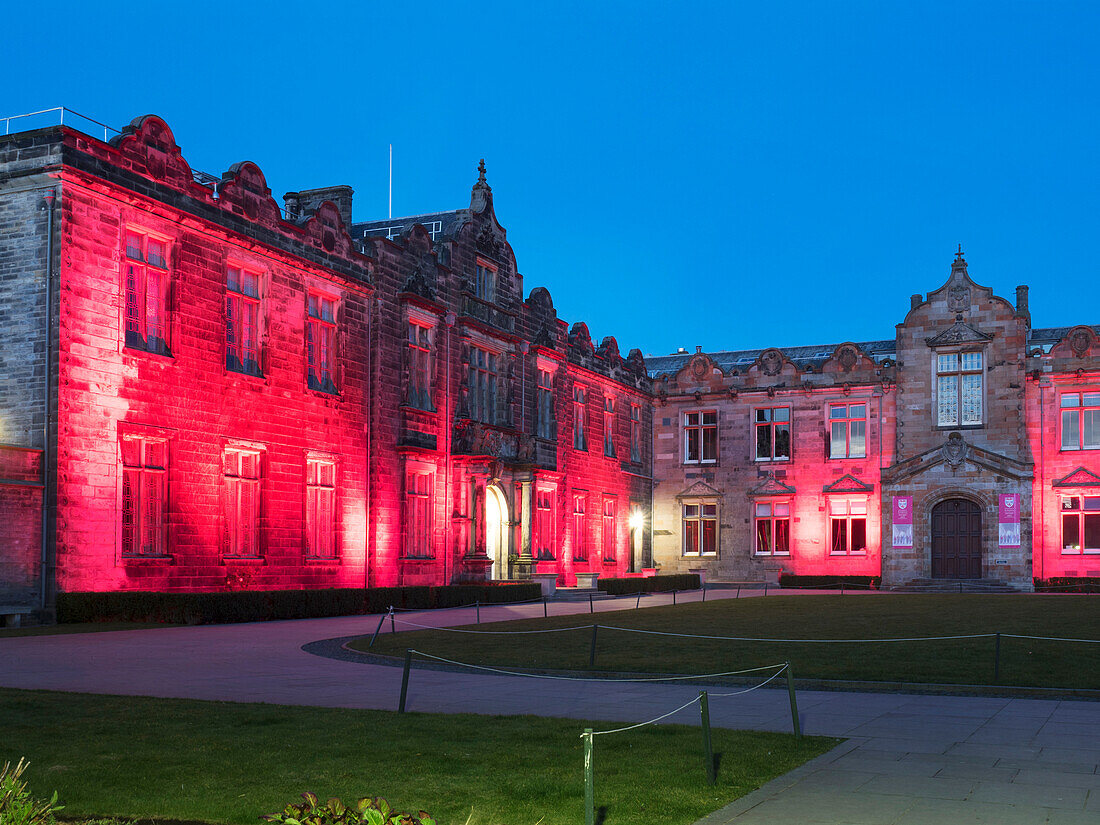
(1021, 300)
(915, 301)
(292, 203)
(310, 200)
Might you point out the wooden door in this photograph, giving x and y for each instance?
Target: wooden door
(956, 540)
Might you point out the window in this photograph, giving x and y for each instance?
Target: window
(700, 529)
(609, 426)
(847, 431)
(321, 343)
(635, 434)
(144, 496)
(146, 278)
(773, 434)
(242, 502)
(958, 388)
(701, 437)
(242, 321)
(847, 527)
(485, 281)
(609, 529)
(1081, 524)
(1081, 421)
(773, 528)
(544, 524)
(545, 411)
(580, 530)
(419, 392)
(580, 416)
(320, 509)
(483, 385)
(418, 515)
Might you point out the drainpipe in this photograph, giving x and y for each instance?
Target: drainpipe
(1042, 489)
(50, 196)
(448, 426)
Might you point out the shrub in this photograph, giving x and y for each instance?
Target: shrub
(1068, 584)
(861, 582)
(653, 584)
(17, 806)
(374, 811)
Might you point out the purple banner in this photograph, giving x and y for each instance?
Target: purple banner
(903, 521)
(1008, 517)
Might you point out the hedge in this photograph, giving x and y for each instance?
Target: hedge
(1068, 584)
(863, 582)
(266, 605)
(653, 584)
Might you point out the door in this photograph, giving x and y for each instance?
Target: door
(956, 540)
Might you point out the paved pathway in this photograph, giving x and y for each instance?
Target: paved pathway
(910, 759)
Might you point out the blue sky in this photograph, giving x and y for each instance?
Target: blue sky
(732, 175)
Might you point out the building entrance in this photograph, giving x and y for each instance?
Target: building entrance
(956, 540)
(496, 522)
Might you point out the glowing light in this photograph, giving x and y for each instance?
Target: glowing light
(637, 520)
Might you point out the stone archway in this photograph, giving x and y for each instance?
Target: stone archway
(956, 539)
(496, 531)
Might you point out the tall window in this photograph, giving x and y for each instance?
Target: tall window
(635, 434)
(242, 502)
(773, 528)
(545, 410)
(958, 388)
(848, 430)
(1081, 421)
(485, 281)
(418, 515)
(773, 434)
(144, 496)
(609, 426)
(146, 280)
(847, 527)
(700, 529)
(320, 509)
(419, 391)
(701, 437)
(321, 343)
(580, 530)
(1081, 524)
(609, 529)
(483, 385)
(580, 418)
(242, 321)
(544, 524)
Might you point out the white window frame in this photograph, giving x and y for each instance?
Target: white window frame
(944, 374)
(846, 421)
(1087, 506)
(1087, 404)
(694, 421)
(772, 516)
(845, 510)
(698, 512)
(771, 423)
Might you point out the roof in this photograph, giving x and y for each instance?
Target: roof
(1052, 335)
(438, 224)
(663, 365)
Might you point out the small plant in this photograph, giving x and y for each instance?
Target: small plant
(367, 811)
(17, 806)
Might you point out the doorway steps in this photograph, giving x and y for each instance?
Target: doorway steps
(579, 594)
(954, 586)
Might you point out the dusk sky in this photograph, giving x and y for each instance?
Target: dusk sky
(730, 175)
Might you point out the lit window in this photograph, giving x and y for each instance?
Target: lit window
(609, 529)
(1081, 524)
(418, 515)
(773, 434)
(847, 431)
(419, 391)
(958, 388)
(485, 281)
(242, 502)
(545, 411)
(320, 509)
(609, 426)
(144, 496)
(580, 530)
(580, 418)
(544, 524)
(483, 385)
(146, 281)
(321, 343)
(700, 529)
(242, 321)
(1081, 421)
(701, 437)
(635, 434)
(847, 527)
(773, 528)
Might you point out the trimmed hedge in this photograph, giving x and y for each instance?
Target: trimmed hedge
(653, 584)
(863, 582)
(1068, 584)
(267, 605)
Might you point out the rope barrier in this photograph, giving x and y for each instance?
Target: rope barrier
(800, 641)
(775, 675)
(1050, 638)
(495, 632)
(650, 722)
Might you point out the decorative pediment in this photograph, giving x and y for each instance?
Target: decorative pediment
(699, 367)
(609, 349)
(771, 486)
(1079, 342)
(846, 357)
(580, 338)
(959, 333)
(771, 362)
(958, 454)
(700, 489)
(848, 484)
(244, 189)
(1078, 478)
(150, 148)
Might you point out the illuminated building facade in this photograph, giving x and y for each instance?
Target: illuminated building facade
(204, 391)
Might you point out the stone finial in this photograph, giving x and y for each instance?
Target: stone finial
(481, 171)
(959, 254)
(481, 196)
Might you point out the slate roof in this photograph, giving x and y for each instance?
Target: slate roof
(448, 224)
(1052, 335)
(662, 365)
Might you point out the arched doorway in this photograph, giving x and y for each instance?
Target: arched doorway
(496, 526)
(956, 540)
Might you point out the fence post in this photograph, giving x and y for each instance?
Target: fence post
(997, 659)
(704, 591)
(674, 597)
(405, 681)
(842, 587)
(590, 608)
(589, 780)
(477, 607)
(794, 704)
(708, 751)
(377, 630)
(765, 588)
(592, 647)
(393, 624)
(544, 608)
(738, 596)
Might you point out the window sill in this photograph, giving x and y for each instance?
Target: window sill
(946, 427)
(260, 377)
(418, 559)
(580, 559)
(609, 561)
(1079, 552)
(137, 351)
(709, 462)
(244, 559)
(322, 560)
(333, 395)
(148, 559)
(859, 554)
(772, 460)
(786, 555)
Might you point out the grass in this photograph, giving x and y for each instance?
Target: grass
(135, 757)
(1023, 662)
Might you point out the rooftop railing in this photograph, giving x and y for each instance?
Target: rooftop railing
(60, 116)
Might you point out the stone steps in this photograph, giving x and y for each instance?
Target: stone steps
(954, 586)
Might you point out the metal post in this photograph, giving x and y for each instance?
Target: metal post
(405, 681)
(544, 608)
(674, 597)
(794, 704)
(997, 659)
(589, 780)
(592, 647)
(638, 603)
(765, 588)
(842, 587)
(590, 608)
(393, 624)
(704, 591)
(477, 607)
(377, 630)
(738, 596)
(708, 751)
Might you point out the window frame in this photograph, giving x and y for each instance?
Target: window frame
(485, 281)
(848, 519)
(699, 519)
(240, 525)
(420, 352)
(699, 427)
(635, 433)
(544, 403)
(770, 425)
(325, 330)
(136, 292)
(144, 472)
(482, 384)
(772, 517)
(580, 528)
(958, 373)
(242, 300)
(544, 538)
(1079, 513)
(418, 516)
(846, 420)
(580, 417)
(1081, 409)
(321, 513)
(609, 532)
(609, 426)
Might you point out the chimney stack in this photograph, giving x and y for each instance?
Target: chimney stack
(1021, 300)
(915, 301)
(309, 200)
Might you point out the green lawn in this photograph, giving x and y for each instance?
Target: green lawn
(1023, 661)
(229, 763)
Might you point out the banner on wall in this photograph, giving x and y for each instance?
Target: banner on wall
(903, 521)
(1009, 521)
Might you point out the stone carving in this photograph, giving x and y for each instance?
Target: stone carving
(420, 283)
(955, 450)
(487, 241)
(771, 362)
(543, 339)
(848, 358)
(1079, 342)
(958, 298)
(699, 367)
